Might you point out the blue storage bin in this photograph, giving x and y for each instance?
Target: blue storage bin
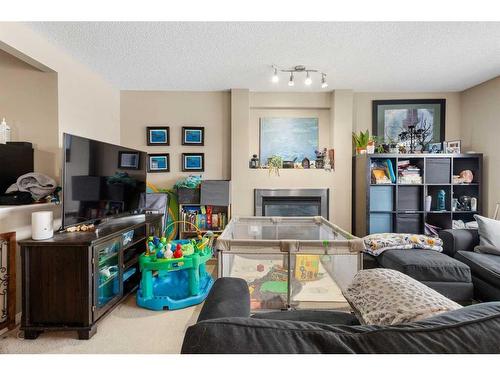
(381, 198)
(381, 223)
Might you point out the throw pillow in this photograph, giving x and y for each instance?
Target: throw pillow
(489, 235)
(376, 244)
(383, 296)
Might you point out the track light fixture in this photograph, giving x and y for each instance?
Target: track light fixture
(275, 78)
(324, 84)
(308, 80)
(298, 69)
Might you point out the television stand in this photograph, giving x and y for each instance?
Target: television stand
(72, 280)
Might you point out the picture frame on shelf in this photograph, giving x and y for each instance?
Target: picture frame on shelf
(193, 162)
(193, 136)
(158, 163)
(128, 160)
(158, 135)
(435, 148)
(392, 117)
(454, 147)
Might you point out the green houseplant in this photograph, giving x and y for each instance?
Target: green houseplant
(360, 141)
(274, 163)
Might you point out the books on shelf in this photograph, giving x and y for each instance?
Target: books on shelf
(408, 173)
(203, 217)
(383, 172)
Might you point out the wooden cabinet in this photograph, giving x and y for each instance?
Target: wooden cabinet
(74, 279)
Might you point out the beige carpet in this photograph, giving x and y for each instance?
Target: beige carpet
(127, 329)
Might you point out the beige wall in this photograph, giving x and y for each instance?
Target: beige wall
(28, 100)
(334, 111)
(140, 109)
(480, 131)
(363, 108)
(87, 104)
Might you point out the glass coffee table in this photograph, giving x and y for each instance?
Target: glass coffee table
(290, 262)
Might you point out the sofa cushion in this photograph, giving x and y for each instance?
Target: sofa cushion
(486, 266)
(489, 234)
(425, 265)
(229, 296)
(472, 329)
(388, 297)
(317, 316)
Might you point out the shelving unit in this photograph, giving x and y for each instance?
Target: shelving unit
(187, 231)
(399, 207)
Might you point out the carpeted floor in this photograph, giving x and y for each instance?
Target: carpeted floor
(127, 329)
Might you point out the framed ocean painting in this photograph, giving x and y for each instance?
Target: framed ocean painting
(193, 135)
(292, 138)
(158, 135)
(193, 162)
(158, 163)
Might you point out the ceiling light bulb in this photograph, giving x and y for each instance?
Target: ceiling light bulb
(290, 82)
(308, 80)
(275, 78)
(324, 84)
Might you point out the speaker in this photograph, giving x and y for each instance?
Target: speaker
(42, 225)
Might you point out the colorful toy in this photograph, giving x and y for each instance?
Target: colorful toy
(175, 279)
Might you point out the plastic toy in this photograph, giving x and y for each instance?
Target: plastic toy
(175, 279)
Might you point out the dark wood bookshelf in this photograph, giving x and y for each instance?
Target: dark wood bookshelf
(400, 207)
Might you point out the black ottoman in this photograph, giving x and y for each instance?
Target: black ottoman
(438, 271)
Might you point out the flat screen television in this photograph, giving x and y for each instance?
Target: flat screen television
(100, 180)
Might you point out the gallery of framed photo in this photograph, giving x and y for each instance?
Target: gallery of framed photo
(158, 135)
(128, 160)
(193, 135)
(158, 163)
(193, 162)
(392, 117)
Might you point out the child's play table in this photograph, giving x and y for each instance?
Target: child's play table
(290, 262)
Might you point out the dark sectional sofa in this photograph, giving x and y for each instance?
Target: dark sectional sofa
(485, 268)
(458, 272)
(226, 326)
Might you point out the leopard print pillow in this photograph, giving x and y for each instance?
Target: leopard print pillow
(382, 296)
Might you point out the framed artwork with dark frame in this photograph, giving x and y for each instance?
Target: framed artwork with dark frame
(128, 159)
(392, 117)
(193, 162)
(158, 135)
(193, 136)
(158, 163)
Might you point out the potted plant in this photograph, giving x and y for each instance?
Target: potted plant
(360, 141)
(274, 163)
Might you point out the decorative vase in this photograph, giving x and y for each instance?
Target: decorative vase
(441, 200)
(428, 202)
(370, 148)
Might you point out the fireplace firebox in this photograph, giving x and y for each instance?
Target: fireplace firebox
(291, 202)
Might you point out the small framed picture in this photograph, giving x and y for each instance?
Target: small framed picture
(193, 135)
(193, 162)
(435, 148)
(128, 160)
(158, 163)
(158, 135)
(453, 147)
